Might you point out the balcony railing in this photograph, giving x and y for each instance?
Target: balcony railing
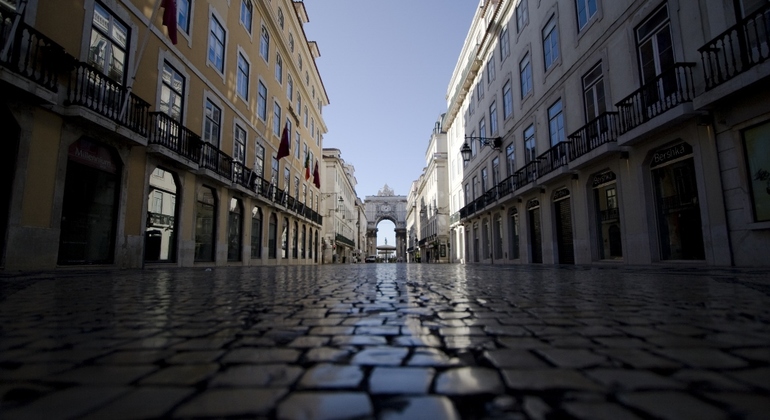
(280, 195)
(609, 214)
(216, 160)
(491, 195)
(172, 135)
(244, 176)
(342, 239)
(32, 54)
(601, 130)
(553, 158)
(669, 89)
(90, 88)
(526, 174)
(159, 219)
(737, 49)
(266, 189)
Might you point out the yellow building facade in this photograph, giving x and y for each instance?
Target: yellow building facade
(128, 150)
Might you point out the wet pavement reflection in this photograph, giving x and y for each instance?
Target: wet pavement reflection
(389, 341)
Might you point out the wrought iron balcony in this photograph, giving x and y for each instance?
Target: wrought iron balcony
(244, 176)
(159, 219)
(31, 54)
(342, 239)
(172, 135)
(553, 158)
(90, 88)
(741, 47)
(601, 130)
(526, 174)
(669, 89)
(506, 186)
(216, 161)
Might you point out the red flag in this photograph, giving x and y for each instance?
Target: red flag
(283, 150)
(169, 18)
(307, 166)
(316, 177)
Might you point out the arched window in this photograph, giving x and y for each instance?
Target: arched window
(295, 242)
(302, 243)
(513, 234)
(285, 238)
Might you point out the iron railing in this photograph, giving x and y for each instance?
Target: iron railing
(216, 160)
(553, 158)
(31, 54)
(342, 239)
(739, 48)
(169, 133)
(669, 89)
(92, 89)
(601, 130)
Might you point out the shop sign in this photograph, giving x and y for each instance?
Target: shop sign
(93, 154)
(670, 153)
(603, 178)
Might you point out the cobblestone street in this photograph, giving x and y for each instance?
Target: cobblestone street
(386, 341)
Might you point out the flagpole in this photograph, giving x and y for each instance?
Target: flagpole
(139, 53)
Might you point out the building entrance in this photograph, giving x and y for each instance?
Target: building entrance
(89, 209)
(385, 206)
(536, 250)
(564, 227)
(7, 171)
(680, 233)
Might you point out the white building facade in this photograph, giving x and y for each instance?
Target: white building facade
(601, 127)
(341, 210)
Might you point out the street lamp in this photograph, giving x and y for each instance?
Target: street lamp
(466, 151)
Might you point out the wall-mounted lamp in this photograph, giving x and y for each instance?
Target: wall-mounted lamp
(466, 151)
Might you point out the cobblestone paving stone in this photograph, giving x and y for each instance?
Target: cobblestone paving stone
(387, 341)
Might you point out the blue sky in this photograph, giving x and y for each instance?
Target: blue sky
(386, 67)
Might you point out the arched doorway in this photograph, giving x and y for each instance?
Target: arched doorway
(385, 238)
(160, 236)
(205, 225)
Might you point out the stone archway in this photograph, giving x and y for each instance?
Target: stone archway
(386, 206)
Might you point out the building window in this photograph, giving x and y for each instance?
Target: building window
(109, 43)
(473, 187)
(264, 44)
(525, 70)
(556, 123)
(183, 15)
(491, 69)
(274, 172)
(656, 54)
(306, 117)
(287, 179)
(171, 92)
(586, 9)
(279, 68)
(277, 120)
(756, 140)
(239, 145)
(505, 47)
(247, 10)
(550, 43)
(296, 145)
(259, 160)
(290, 88)
(482, 128)
(493, 118)
(216, 45)
(262, 101)
(529, 144)
(242, 82)
(510, 159)
(495, 171)
(522, 15)
(593, 93)
(312, 127)
(474, 148)
(256, 233)
(507, 100)
(484, 180)
(480, 89)
(513, 238)
(212, 123)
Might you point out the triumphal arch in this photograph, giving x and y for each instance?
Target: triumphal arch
(386, 205)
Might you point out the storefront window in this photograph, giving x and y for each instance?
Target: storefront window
(679, 221)
(90, 202)
(204, 225)
(285, 239)
(295, 242)
(272, 236)
(256, 233)
(160, 236)
(234, 229)
(757, 142)
(513, 237)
